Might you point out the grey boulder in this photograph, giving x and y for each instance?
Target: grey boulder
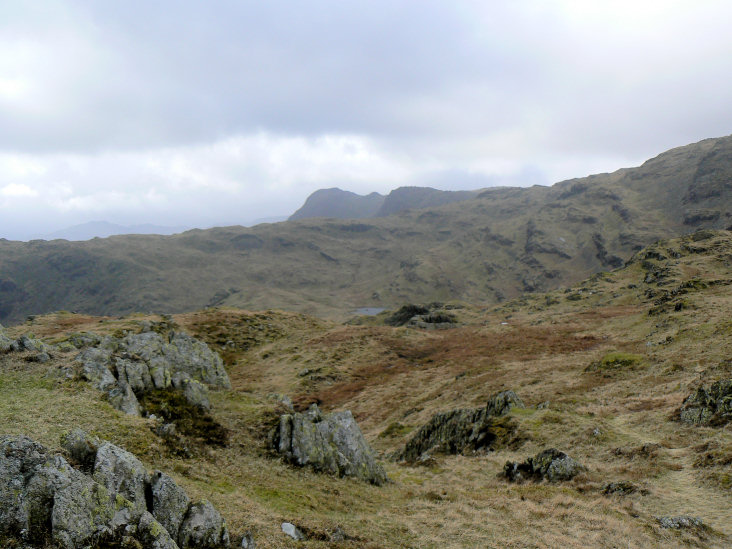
(203, 528)
(550, 464)
(331, 443)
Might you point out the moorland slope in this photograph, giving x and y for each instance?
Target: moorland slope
(602, 369)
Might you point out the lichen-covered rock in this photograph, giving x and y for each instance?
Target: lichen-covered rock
(45, 501)
(203, 528)
(135, 374)
(131, 367)
(169, 502)
(5, 342)
(123, 398)
(95, 368)
(29, 478)
(502, 402)
(550, 464)
(180, 352)
(195, 392)
(709, 405)
(154, 535)
(28, 343)
(332, 443)
(122, 473)
(464, 430)
(681, 522)
(81, 447)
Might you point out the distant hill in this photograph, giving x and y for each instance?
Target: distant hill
(500, 244)
(338, 204)
(104, 229)
(415, 198)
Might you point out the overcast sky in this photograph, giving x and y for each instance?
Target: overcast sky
(207, 113)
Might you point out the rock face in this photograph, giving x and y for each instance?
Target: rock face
(44, 500)
(128, 368)
(709, 405)
(550, 464)
(332, 443)
(464, 430)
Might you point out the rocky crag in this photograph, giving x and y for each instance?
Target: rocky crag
(107, 500)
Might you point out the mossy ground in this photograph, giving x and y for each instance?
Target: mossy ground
(394, 379)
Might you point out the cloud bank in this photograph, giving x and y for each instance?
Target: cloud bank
(191, 113)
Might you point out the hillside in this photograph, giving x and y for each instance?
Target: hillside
(496, 246)
(602, 369)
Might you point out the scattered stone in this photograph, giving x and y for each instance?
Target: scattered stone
(339, 535)
(203, 528)
(550, 464)
(247, 542)
(543, 406)
(293, 531)
(621, 488)
(465, 430)
(681, 522)
(332, 443)
(709, 405)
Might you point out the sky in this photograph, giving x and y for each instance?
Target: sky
(190, 113)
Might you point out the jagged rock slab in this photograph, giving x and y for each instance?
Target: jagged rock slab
(459, 431)
(709, 405)
(331, 443)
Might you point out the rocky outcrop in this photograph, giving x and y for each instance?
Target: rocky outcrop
(128, 368)
(331, 443)
(708, 405)
(45, 500)
(5, 342)
(550, 464)
(24, 343)
(465, 430)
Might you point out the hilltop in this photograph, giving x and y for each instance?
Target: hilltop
(496, 246)
(602, 369)
(338, 204)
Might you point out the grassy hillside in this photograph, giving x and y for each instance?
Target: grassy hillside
(503, 243)
(602, 366)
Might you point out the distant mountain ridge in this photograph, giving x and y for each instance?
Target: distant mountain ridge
(339, 204)
(104, 229)
(502, 243)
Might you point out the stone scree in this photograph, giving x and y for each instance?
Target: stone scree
(128, 368)
(331, 443)
(109, 500)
